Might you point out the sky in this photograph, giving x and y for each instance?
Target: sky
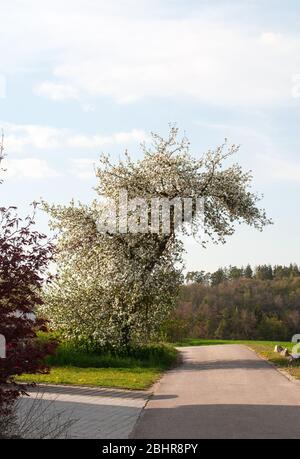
(82, 77)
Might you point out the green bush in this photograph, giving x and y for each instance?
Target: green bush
(83, 356)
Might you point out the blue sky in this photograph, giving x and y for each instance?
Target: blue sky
(83, 77)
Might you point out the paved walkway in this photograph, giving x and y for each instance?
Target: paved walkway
(85, 412)
(222, 392)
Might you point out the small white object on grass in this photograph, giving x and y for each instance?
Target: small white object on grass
(285, 353)
(278, 348)
(295, 356)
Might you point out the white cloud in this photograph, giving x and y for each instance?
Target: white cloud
(88, 107)
(271, 39)
(83, 168)
(254, 138)
(33, 168)
(282, 169)
(20, 138)
(263, 154)
(129, 50)
(56, 91)
(84, 141)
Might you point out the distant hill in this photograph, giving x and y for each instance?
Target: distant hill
(239, 303)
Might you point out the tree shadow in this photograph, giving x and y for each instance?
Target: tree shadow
(249, 364)
(219, 422)
(90, 391)
(97, 419)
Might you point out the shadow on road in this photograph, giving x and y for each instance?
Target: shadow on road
(220, 421)
(247, 364)
(91, 391)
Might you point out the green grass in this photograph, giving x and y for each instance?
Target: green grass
(138, 369)
(212, 342)
(155, 355)
(263, 348)
(125, 378)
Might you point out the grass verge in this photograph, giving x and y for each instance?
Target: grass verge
(138, 370)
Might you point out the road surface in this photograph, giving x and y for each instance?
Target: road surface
(221, 392)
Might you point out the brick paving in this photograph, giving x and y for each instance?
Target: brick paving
(95, 413)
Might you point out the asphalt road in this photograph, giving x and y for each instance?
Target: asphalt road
(221, 392)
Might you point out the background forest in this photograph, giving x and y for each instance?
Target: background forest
(239, 303)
